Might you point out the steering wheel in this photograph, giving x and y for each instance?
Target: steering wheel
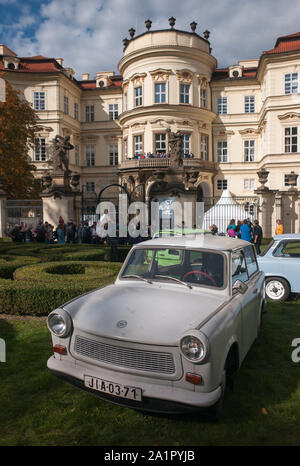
(202, 273)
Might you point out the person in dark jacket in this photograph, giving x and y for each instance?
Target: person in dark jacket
(257, 235)
(70, 231)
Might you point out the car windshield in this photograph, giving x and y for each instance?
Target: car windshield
(187, 266)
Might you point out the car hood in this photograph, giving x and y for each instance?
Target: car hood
(152, 313)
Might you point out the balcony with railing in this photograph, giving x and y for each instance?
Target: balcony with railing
(164, 162)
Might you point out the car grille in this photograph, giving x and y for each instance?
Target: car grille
(151, 361)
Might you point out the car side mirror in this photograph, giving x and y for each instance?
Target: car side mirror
(239, 287)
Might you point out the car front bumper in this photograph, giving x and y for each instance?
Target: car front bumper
(156, 398)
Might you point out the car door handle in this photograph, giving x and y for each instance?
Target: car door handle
(255, 290)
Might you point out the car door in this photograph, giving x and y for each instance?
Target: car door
(287, 259)
(244, 268)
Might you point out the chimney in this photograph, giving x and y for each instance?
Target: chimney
(85, 76)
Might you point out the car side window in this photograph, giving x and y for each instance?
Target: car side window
(238, 267)
(250, 260)
(291, 249)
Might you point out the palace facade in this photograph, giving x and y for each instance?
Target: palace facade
(240, 125)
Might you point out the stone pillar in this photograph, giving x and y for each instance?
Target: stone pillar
(278, 205)
(265, 210)
(59, 198)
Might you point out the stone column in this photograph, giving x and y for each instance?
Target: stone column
(265, 210)
(278, 205)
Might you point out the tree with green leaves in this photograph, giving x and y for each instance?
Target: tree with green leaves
(18, 129)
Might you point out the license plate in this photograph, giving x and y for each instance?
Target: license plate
(111, 388)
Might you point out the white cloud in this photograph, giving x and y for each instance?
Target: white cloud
(88, 35)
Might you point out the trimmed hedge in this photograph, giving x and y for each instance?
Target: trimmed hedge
(56, 252)
(8, 264)
(40, 288)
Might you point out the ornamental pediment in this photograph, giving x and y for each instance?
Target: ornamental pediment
(289, 116)
(138, 78)
(160, 74)
(247, 131)
(223, 132)
(203, 81)
(184, 76)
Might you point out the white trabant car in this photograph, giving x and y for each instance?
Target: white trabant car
(180, 317)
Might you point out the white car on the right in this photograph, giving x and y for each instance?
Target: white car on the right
(280, 261)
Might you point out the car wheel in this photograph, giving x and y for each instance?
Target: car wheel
(277, 289)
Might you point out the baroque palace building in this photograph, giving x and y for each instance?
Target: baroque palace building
(240, 125)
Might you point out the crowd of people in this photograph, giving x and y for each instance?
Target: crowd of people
(245, 230)
(161, 155)
(64, 232)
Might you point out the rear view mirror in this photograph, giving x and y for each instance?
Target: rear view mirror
(239, 287)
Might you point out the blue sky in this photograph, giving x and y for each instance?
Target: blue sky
(88, 34)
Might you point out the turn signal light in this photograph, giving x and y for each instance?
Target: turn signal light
(195, 379)
(60, 349)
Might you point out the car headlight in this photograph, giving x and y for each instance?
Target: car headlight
(59, 322)
(193, 349)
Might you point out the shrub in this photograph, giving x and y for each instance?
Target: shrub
(40, 288)
(8, 264)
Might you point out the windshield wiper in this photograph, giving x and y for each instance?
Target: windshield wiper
(175, 279)
(137, 276)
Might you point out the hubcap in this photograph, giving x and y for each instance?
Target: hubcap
(275, 289)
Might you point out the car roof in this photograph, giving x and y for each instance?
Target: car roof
(219, 243)
(287, 236)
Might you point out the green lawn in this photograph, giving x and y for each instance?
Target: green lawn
(38, 409)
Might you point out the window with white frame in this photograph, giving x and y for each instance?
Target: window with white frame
(249, 104)
(89, 113)
(90, 186)
(76, 111)
(249, 184)
(161, 143)
(222, 185)
(203, 97)
(138, 96)
(286, 180)
(222, 105)
(39, 100)
(291, 139)
(249, 150)
(90, 155)
(113, 111)
(186, 139)
(184, 93)
(66, 105)
(291, 83)
(113, 154)
(76, 149)
(138, 144)
(40, 150)
(204, 147)
(222, 151)
(160, 93)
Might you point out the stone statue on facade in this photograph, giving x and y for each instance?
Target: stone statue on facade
(176, 148)
(60, 154)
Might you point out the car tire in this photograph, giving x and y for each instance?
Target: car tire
(277, 289)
